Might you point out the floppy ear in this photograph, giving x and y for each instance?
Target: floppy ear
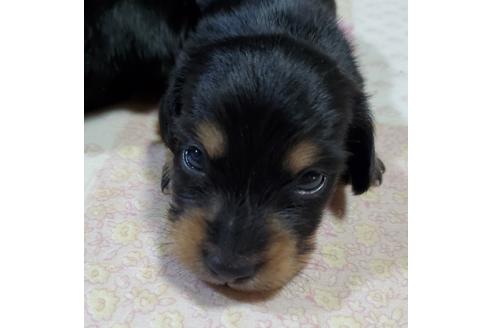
(363, 167)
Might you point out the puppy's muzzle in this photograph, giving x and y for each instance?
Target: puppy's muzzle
(229, 268)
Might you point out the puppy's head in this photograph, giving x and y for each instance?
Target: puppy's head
(259, 142)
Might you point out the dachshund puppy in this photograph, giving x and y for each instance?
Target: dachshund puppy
(265, 114)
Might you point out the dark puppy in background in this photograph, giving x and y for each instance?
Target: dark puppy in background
(264, 115)
(130, 46)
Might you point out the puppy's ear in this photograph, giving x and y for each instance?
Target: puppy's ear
(363, 167)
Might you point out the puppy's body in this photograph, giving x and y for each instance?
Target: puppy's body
(265, 114)
(313, 23)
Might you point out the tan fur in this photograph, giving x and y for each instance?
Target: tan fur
(212, 138)
(337, 204)
(303, 155)
(188, 233)
(282, 261)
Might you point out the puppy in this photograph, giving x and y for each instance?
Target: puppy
(265, 114)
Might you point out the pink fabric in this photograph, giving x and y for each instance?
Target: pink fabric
(347, 29)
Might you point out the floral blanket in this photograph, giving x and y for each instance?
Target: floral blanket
(357, 277)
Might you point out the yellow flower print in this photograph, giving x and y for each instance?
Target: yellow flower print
(151, 175)
(398, 314)
(142, 204)
(145, 301)
(120, 174)
(231, 318)
(366, 234)
(385, 322)
(371, 195)
(399, 197)
(343, 322)
(162, 289)
(378, 298)
(381, 267)
(354, 281)
(328, 299)
(133, 258)
(99, 211)
(125, 232)
(105, 193)
(168, 319)
(147, 274)
(338, 226)
(334, 256)
(396, 320)
(403, 263)
(295, 315)
(130, 152)
(96, 273)
(101, 303)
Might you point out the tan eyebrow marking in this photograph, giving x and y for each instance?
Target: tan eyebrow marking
(212, 138)
(301, 156)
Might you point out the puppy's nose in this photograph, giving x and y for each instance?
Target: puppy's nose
(228, 270)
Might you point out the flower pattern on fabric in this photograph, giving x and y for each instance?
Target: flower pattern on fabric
(101, 303)
(357, 276)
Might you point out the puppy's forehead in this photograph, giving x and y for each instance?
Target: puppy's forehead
(268, 146)
(212, 137)
(301, 156)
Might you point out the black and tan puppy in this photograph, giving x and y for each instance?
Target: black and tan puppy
(265, 114)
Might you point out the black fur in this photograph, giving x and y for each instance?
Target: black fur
(130, 46)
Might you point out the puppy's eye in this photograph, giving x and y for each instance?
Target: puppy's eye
(193, 158)
(311, 182)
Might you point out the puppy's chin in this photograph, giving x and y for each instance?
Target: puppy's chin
(262, 282)
(265, 283)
